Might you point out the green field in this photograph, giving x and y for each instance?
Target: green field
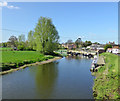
(5, 49)
(106, 81)
(14, 59)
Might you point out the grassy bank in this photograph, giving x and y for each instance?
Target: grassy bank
(5, 49)
(15, 59)
(106, 81)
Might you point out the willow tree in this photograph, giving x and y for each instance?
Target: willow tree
(46, 36)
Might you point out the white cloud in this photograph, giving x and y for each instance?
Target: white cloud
(5, 4)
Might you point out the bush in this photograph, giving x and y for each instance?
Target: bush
(54, 54)
(20, 64)
(107, 46)
(5, 67)
(20, 47)
(13, 65)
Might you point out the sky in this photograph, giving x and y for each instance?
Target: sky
(93, 21)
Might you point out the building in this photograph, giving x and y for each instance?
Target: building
(88, 47)
(116, 46)
(109, 50)
(100, 48)
(96, 47)
(71, 46)
(64, 45)
(115, 49)
(93, 47)
(111, 43)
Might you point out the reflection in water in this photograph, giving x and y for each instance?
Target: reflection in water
(73, 57)
(67, 78)
(46, 79)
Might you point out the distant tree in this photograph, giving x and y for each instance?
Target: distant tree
(21, 47)
(13, 41)
(4, 44)
(46, 36)
(86, 43)
(31, 39)
(97, 43)
(78, 42)
(21, 42)
(26, 45)
(107, 46)
(21, 38)
(83, 44)
(0, 44)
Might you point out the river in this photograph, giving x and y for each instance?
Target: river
(67, 78)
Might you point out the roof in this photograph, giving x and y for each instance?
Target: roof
(116, 47)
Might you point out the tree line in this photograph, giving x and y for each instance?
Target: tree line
(44, 38)
(79, 43)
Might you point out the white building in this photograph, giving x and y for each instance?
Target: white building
(115, 50)
(88, 47)
(109, 50)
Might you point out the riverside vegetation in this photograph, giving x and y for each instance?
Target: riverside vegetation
(106, 82)
(44, 39)
(15, 59)
(5, 49)
(41, 41)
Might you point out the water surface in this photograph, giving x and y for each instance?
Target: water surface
(67, 78)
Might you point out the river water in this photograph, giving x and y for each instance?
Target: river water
(67, 78)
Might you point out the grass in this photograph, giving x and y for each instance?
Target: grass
(18, 56)
(106, 81)
(14, 59)
(5, 49)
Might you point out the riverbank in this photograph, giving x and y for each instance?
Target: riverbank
(15, 59)
(106, 81)
(67, 78)
(27, 65)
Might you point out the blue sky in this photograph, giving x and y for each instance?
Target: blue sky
(88, 20)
